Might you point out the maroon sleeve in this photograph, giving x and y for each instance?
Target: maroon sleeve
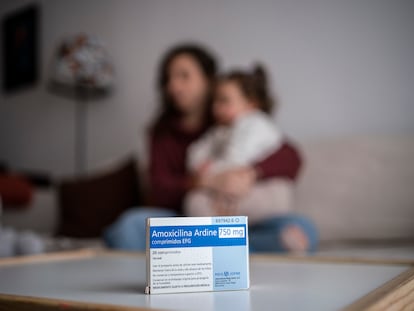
(285, 162)
(168, 180)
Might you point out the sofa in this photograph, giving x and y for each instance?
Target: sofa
(354, 188)
(359, 188)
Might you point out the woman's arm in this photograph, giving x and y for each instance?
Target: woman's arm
(284, 163)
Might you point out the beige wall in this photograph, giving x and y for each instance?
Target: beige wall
(340, 68)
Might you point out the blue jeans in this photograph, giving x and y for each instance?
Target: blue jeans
(128, 232)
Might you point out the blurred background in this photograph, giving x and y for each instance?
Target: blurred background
(343, 72)
(339, 68)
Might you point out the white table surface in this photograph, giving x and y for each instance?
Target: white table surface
(275, 285)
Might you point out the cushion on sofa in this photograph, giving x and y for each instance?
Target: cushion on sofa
(15, 190)
(87, 205)
(359, 187)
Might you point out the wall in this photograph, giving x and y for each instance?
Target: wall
(339, 67)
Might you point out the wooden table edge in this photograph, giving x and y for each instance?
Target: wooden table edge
(25, 303)
(49, 257)
(396, 294)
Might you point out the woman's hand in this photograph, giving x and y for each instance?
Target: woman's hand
(224, 205)
(233, 183)
(238, 182)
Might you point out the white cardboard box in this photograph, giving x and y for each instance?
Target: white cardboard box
(193, 254)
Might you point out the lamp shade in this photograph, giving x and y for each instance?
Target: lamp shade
(82, 62)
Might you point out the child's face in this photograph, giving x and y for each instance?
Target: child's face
(229, 103)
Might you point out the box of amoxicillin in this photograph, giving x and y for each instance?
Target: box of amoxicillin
(193, 254)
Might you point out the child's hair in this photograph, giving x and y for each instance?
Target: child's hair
(253, 85)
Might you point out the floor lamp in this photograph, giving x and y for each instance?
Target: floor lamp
(82, 71)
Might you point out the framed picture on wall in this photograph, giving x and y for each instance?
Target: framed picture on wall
(20, 48)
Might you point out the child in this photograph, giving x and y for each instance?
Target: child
(244, 134)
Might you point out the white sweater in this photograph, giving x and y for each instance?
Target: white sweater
(249, 139)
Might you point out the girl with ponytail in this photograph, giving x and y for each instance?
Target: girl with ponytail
(244, 134)
(244, 131)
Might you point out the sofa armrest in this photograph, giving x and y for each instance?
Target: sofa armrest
(40, 216)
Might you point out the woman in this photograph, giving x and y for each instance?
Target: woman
(186, 80)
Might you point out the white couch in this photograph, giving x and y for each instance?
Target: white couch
(359, 187)
(353, 188)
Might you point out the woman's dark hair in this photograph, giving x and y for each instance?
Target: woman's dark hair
(207, 63)
(253, 85)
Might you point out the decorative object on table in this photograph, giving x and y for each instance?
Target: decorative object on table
(20, 48)
(82, 70)
(14, 243)
(17, 243)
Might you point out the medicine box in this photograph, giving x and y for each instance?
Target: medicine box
(193, 254)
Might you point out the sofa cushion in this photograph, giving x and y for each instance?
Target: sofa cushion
(359, 187)
(15, 191)
(87, 205)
